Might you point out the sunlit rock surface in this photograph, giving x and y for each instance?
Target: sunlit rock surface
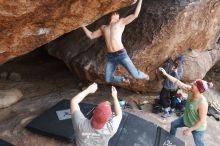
(164, 29)
(26, 25)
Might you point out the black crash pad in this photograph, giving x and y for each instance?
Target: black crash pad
(138, 132)
(132, 130)
(214, 113)
(48, 123)
(164, 138)
(4, 143)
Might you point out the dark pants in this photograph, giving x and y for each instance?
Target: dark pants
(168, 98)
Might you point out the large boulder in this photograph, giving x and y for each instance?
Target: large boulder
(198, 63)
(163, 30)
(9, 97)
(26, 25)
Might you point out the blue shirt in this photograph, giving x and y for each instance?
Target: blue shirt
(167, 84)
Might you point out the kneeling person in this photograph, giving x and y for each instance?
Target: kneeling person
(101, 127)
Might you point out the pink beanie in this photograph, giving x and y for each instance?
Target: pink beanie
(101, 115)
(203, 85)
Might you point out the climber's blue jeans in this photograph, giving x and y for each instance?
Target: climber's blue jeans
(121, 57)
(198, 136)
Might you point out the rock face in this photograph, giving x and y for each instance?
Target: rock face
(163, 30)
(199, 63)
(213, 76)
(9, 97)
(26, 25)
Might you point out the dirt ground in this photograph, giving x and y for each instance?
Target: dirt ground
(46, 81)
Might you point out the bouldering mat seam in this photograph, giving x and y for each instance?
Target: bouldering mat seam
(158, 135)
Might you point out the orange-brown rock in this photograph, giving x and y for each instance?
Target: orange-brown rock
(26, 25)
(164, 29)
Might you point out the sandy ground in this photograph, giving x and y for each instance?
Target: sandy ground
(46, 81)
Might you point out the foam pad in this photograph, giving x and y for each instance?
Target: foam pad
(113, 141)
(163, 138)
(57, 122)
(4, 143)
(49, 124)
(214, 113)
(138, 132)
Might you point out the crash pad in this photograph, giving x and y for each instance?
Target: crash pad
(56, 122)
(5, 143)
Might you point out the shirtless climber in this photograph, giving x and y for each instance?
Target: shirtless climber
(116, 52)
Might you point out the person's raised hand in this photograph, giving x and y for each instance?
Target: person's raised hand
(114, 92)
(92, 88)
(162, 70)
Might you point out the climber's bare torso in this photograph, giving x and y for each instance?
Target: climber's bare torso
(113, 36)
(113, 31)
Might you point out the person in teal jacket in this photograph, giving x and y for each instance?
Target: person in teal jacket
(196, 109)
